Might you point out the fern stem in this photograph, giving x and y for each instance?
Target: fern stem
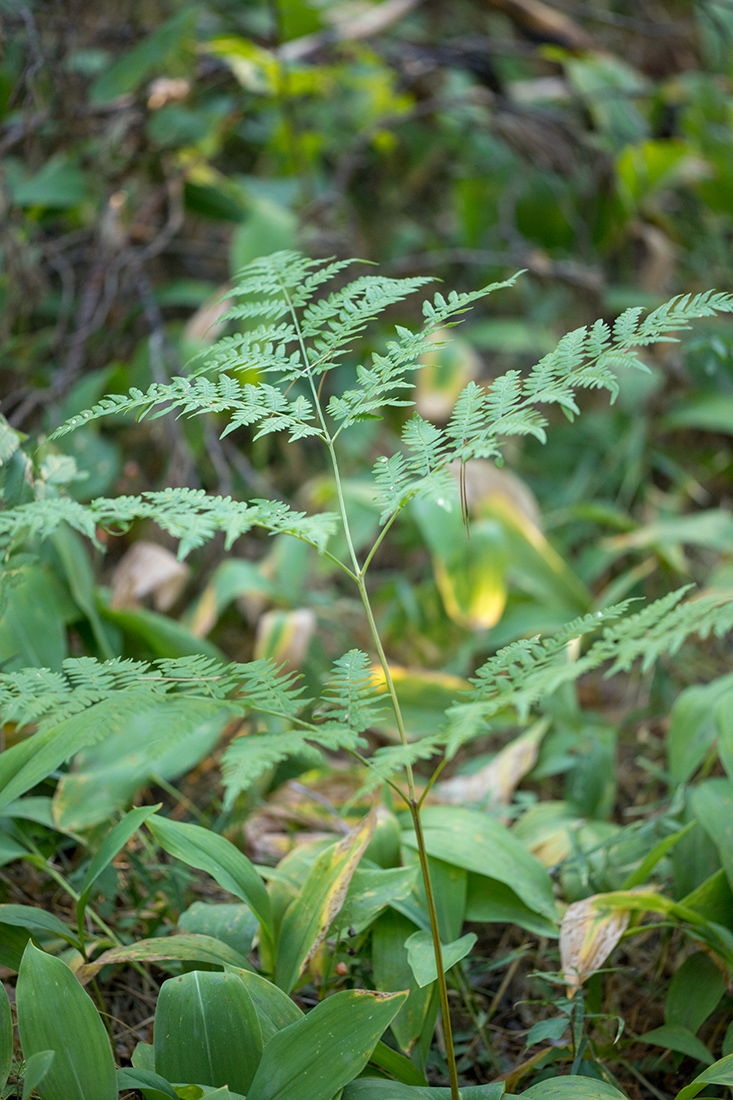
(413, 803)
(432, 779)
(326, 434)
(378, 543)
(435, 931)
(367, 764)
(414, 807)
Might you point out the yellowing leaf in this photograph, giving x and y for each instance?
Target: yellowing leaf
(148, 570)
(285, 635)
(308, 917)
(498, 779)
(588, 934)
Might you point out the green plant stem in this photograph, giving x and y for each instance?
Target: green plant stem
(431, 781)
(412, 801)
(378, 542)
(54, 874)
(442, 985)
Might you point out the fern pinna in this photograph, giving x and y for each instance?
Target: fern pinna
(292, 338)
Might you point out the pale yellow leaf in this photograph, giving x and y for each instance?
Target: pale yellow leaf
(590, 930)
(148, 570)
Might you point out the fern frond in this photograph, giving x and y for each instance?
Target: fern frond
(351, 701)
(389, 762)
(189, 515)
(253, 754)
(391, 479)
(440, 310)
(336, 321)
(521, 674)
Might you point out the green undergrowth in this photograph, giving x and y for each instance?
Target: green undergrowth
(449, 825)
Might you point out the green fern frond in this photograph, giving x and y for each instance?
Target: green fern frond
(519, 675)
(351, 701)
(189, 515)
(389, 762)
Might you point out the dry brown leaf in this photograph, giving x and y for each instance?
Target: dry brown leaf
(148, 570)
(167, 89)
(205, 325)
(498, 780)
(589, 932)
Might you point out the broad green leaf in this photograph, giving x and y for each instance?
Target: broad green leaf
(491, 901)
(13, 943)
(34, 808)
(165, 740)
(680, 1039)
(32, 623)
(54, 1013)
(10, 849)
(199, 847)
(572, 1088)
(384, 847)
(27, 916)
(371, 890)
(143, 1056)
(392, 971)
(78, 570)
(329, 1047)
(267, 225)
(367, 1088)
(309, 916)
(135, 1078)
(692, 727)
(712, 899)
(6, 1036)
(712, 802)
(233, 924)
(450, 885)
(470, 573)
(164, 636)
(554, 1028)
(207, 1031)
(114, 841)
(712, 412)
(59, 184)
(274, 1008)
(30, 761)
(188, 948)
(36, 1068)
(481, 844)
(397, 1065)
(694, 992)
(421, 955)
(153, 53)
(720, 1073)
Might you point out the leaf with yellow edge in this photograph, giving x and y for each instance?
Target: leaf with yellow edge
(588, 934)
(497, 780)
(470, 572)
(309, 915)
(190, 947)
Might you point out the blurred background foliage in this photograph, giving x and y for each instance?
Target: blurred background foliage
(148, 151)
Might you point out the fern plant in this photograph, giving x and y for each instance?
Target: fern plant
(293, 338)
